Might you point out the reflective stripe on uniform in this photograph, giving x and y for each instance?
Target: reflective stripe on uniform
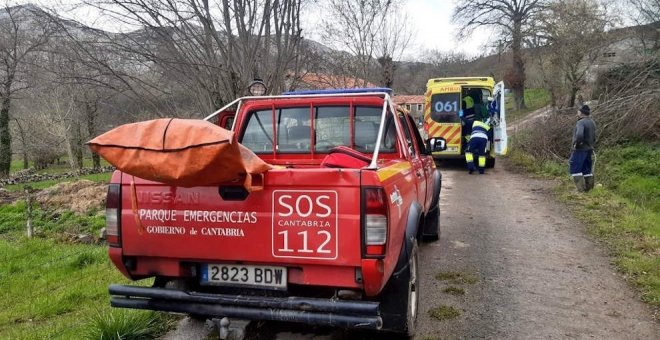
(577, 174)
(479, 134)
(481, 125)
(482, 161)
(469, 157)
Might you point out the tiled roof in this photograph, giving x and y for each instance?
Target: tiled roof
(405, 99)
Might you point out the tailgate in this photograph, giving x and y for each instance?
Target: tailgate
(298, 218)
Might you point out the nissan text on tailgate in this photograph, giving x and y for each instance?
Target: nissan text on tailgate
(331, 239)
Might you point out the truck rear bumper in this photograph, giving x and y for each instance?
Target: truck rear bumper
(324, 312)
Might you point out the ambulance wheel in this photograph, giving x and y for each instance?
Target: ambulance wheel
(402, 290)
(490, 162)
(431, 226)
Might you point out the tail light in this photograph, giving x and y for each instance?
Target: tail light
(113, 215)
(375, 221)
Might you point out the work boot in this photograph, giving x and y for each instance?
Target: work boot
(580, 184)
(588, 183)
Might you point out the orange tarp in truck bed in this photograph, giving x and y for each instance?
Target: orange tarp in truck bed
(181, 152)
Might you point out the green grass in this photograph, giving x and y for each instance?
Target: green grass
(457, 277)
(623, 210)
(100, 178)
(534, 99)
(54, 290)
(444, 312)
(13, 218)
(123, 325)
(453, 290)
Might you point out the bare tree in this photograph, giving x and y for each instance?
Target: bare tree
(391, 41)
(647, 12)
(512, 19)
(574, 34)
(209, 49)
(355, 26)
(22, 36)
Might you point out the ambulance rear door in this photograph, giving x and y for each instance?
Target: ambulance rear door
(499, 132)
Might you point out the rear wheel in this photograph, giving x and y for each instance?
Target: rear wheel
(402, 291)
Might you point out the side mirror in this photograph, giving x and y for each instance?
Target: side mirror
(437, 144)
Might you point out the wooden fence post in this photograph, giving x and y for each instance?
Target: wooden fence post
(28, 201)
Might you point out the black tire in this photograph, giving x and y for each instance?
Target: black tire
(431, 227)
(490, 162)
(402, 290)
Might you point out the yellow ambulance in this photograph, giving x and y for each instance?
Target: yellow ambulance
(451, 104)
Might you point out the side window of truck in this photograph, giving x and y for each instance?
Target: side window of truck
(258, 135)
(421, 146)
(407, 134)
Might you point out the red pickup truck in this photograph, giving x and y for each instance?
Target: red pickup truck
(332, 239)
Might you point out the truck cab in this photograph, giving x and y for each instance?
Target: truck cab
(331, 239)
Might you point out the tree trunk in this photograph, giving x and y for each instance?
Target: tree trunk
(90, 111)
(5, 137)
(69, 150)
(77, 145)
(572, 96)
(518, 85)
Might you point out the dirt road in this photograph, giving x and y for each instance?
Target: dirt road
(538, 275)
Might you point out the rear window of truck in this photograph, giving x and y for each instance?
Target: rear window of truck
(291, 130)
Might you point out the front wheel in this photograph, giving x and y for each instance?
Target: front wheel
(402, 291)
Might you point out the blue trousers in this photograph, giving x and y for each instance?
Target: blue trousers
(476, 147)
(580, 163)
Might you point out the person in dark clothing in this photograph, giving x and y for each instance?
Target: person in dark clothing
(477, 147)
(580, 163)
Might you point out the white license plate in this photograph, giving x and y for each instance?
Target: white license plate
(244, 275)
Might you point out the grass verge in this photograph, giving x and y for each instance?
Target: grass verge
(54, 290)
(623, 211)
(453, 290)
(457, 277)
(444, 312)
(51, 288)
(51, 224)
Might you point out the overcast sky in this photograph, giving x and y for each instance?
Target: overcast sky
(429, 19)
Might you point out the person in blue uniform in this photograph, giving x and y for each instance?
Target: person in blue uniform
(477, 147)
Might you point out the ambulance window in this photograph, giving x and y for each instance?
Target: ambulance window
(445, 107)
(258, 134)
(332, 125)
